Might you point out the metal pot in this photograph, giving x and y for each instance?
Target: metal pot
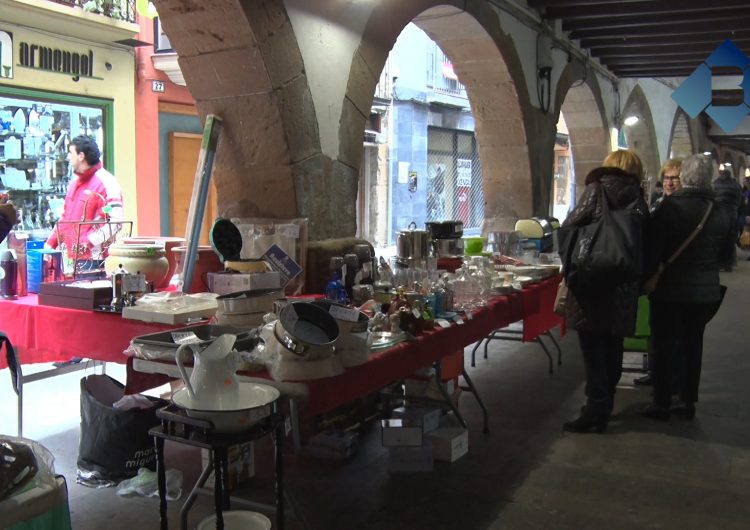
(448, 248)
(306, 330)
(445, 229)
(413, 244)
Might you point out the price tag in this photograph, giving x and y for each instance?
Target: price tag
(134, 283)
(347, 314)
(289, 317)
(184, 337)
(469, 316)
(416, 313)
(458, 320)
(442, 323)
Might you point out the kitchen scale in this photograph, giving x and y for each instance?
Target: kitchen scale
(226, 241)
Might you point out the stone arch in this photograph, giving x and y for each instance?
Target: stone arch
(229, 56)
(486, 62)
(578, 97)
(641, 137)
(680, 139)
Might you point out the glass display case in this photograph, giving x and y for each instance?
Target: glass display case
(35, 132)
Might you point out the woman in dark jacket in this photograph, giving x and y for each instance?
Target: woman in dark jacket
(688, 292)
(605, 317)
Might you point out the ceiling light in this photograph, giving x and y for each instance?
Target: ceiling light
(631, 120)
(707, 153)
(721, 167)
(727, 164)
(747, 171)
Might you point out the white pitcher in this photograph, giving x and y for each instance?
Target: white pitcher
(213, 383)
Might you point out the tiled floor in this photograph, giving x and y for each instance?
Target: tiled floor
(526, 474)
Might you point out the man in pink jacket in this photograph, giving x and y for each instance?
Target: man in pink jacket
(93, 195)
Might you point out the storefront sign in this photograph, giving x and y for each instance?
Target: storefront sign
(463, 172)
(6, 54)
(39, 57)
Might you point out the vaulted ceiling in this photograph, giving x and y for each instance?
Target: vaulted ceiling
(650, 38)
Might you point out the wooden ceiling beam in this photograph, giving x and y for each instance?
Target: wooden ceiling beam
(673, 49)
(685, 61)
(708, 39)
(691, 28)
(735, 17)
(645, 7)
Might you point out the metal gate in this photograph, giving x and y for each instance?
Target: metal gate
(454, 178)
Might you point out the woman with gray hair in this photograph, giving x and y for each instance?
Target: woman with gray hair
(688, 292)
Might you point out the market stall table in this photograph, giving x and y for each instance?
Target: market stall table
(45, 334)
(383, 367)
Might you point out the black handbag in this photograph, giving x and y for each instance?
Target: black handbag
(605, 253)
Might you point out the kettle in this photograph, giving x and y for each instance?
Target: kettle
(8, 274)
(213, 384)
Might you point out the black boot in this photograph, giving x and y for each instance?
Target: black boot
(587, 422)
(656, 412)
(685, 410)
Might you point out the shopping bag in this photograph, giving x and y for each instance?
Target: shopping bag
(114, 443)
(605, 253)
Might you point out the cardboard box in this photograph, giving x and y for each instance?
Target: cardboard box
(449, 443)
(233, 282)
(241, 464)
(65, 294)
(410, 459)
(333, 444)
(428, 418)
(401, 433)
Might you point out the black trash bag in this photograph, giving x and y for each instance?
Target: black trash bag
(17, 467)
(114, 443)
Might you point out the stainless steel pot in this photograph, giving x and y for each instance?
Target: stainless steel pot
(413, 244)
(448, 248)
(254, 301)
(445, 229)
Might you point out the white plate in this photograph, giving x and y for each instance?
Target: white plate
(251, 395)
(237, 520)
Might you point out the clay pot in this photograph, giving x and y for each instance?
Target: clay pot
(150, 260)
(206, 261)
(169, 242)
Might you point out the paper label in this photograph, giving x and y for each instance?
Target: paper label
(416, 312)
(346, 314)
(184, 337)
(134, 283)
(458, 320)
(442, 323)
(282, 263)
(469, 316)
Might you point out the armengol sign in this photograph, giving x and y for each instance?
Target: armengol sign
(75, 64)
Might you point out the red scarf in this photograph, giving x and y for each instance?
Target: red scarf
(88, 173)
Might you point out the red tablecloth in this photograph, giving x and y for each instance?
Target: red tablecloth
(43, 334)
(390, 365)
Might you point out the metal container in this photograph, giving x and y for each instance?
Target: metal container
(445, 229)
(254, 301)
(448, 248)
(413, 244)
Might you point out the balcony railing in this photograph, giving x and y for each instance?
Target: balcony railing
(114, 9)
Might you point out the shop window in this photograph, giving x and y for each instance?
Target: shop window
(35, 132)
(161, 40)
(454, 178)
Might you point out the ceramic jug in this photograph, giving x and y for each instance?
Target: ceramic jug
(213, 383)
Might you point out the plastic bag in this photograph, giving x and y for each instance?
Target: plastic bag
(145, 484)
(24, 464)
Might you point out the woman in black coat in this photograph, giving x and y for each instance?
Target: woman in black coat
(688, 292)
(605, 317)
